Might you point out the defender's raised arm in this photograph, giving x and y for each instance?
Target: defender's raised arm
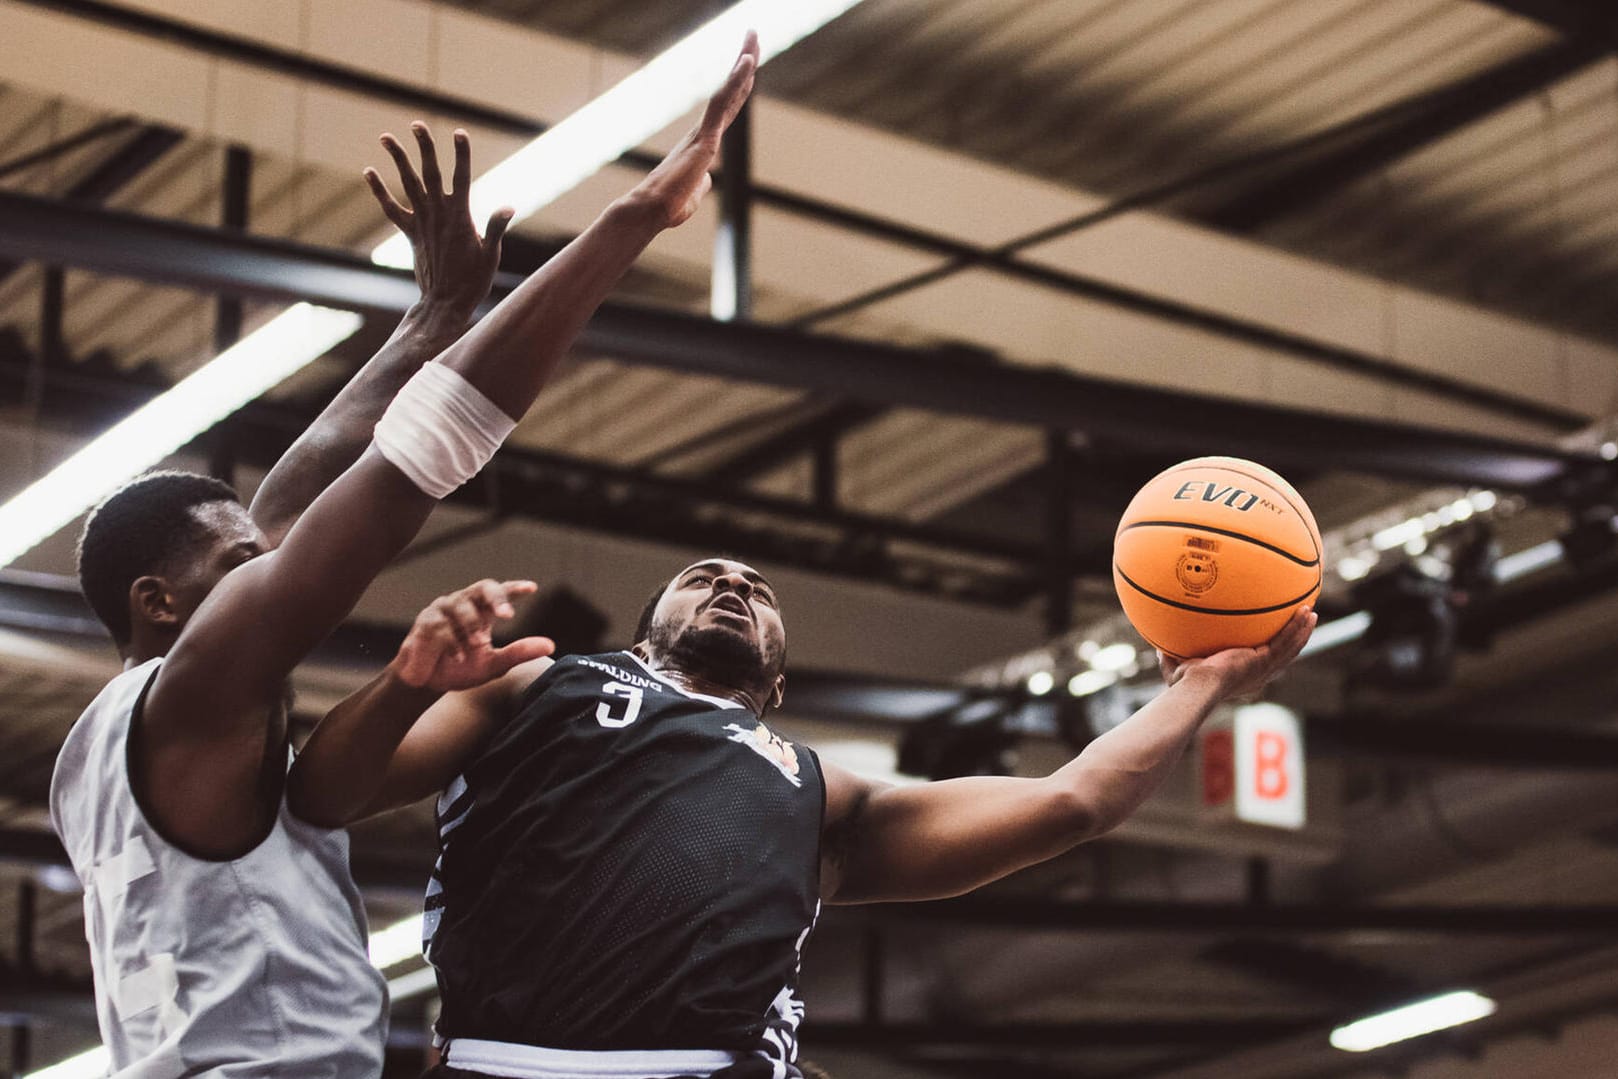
(203, 737)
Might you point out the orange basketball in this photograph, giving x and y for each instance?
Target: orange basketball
(1215, 553)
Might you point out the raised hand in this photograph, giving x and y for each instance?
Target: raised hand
(451, 644)
(453, 263)
(675, 188)
(1244, 672)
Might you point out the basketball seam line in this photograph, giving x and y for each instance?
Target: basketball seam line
(1211, 610)
(1284, 498)
(1288, 555)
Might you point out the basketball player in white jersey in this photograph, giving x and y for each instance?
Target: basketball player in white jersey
(630, 860)
(226, 934)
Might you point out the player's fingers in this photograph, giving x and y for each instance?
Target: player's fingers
(471, 621)
(506, 591)
(1289, 644)
(495, 230)
(431, 178)
(490, 598)
(727, 101)
(407, 172)
(390, 205)
(461, 179)
(521, 651)
(448, 627)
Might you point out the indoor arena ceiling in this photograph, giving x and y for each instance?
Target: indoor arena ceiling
(1388, 210)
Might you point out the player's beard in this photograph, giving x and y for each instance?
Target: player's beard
(717, 654)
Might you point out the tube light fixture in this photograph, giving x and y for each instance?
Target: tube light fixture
(1412, 1020)
(667, 87)
(256, 363)
(644, 103)
(92, 1064)
(398, 942)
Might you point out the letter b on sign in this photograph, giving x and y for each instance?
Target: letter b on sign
(1269, 766)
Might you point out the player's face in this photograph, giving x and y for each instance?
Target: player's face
(233, 540)
(723, 608)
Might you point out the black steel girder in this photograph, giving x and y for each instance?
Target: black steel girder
(859, 370)
(118, 169)
(39, 849)
(1585, 20)
(960, 255)
(65, 145)
(965, 566)
(1287, 191)
(47, 604)
(1074, 1034)
(988, 910)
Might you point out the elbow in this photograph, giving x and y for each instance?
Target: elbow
(1076, 815)
(305, 804)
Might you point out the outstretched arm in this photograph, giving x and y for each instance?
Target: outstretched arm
(454, 268)
(353, 765)
(204, 736)
(934, 840)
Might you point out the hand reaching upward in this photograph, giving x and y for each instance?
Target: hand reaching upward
(675, 188)
(453, 263)
(451, 645)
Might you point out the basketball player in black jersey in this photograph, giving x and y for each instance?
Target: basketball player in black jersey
(631, 859)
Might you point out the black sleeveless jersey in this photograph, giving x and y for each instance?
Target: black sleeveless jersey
(627, 866)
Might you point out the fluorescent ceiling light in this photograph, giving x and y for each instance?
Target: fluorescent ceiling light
(670, 85)
(1087, 682)
(93, 1064)
(1412, 1020)
(417, 983)
(396, 943)
(280, 347)
(650, 99)
(1114, 657)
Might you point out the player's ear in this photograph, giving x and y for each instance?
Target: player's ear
(150, 601)
(640, 649)
(778, 692)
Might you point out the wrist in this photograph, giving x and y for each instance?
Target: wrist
(638, 211)
(438, 320)
(1213, 682)
(396, 686)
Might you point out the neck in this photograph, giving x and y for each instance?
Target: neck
(696, 683)
(141, 649)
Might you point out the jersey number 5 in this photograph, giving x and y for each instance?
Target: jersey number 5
(631, 696)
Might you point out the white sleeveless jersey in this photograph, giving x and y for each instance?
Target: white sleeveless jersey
(252, 967)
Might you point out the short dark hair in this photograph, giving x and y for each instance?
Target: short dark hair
(142, 528)
(643, 627)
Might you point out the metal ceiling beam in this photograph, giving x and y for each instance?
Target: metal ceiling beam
(1463, 102)
(47, 604)
(869, 372)
(1586, 20)
(784, 446)
(960, 255)
(950, 563)
(1454, 742)
(1331, 161)
(118, 169)
(989, 910)
(66, 144)
(1075, 1034)
(39, 849)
